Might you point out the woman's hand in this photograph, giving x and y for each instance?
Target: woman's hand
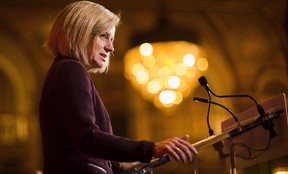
(178, 148)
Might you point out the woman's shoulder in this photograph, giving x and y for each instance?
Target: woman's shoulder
(68, 63)
(64, 67)
(65, 60)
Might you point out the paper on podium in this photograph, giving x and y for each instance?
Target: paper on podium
(258, 137)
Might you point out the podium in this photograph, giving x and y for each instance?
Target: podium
(255, 146)
(244, 139)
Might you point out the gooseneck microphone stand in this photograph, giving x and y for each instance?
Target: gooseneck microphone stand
(267, 126)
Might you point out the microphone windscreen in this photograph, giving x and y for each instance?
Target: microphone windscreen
(203, 81)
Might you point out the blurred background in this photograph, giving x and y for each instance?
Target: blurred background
(239, 46)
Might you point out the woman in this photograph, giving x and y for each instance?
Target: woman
(75, 126)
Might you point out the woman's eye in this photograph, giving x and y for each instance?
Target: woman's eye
(105, 36)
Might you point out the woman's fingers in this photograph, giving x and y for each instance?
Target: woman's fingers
(185, 149)
(178, 148)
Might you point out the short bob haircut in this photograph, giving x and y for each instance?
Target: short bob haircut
(74, 28)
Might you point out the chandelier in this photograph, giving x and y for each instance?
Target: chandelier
(165, 72)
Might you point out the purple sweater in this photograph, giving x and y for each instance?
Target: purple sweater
(76, 130)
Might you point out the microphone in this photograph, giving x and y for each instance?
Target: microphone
(219, 145)
(267, 126)
(197, 99)
(203, 81)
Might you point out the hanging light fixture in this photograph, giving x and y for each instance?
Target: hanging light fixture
(165, 72)
(164, 65)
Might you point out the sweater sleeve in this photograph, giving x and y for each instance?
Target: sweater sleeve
(118, 148)
(75, 105)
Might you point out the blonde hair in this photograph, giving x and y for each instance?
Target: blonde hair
(75, 26)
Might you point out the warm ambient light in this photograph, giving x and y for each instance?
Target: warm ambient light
(165, 72)
(280, 170)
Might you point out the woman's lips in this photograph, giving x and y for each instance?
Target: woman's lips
(104, 56)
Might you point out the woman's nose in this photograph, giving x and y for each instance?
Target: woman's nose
(109, 46)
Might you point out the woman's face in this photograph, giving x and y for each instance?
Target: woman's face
(102, 46)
